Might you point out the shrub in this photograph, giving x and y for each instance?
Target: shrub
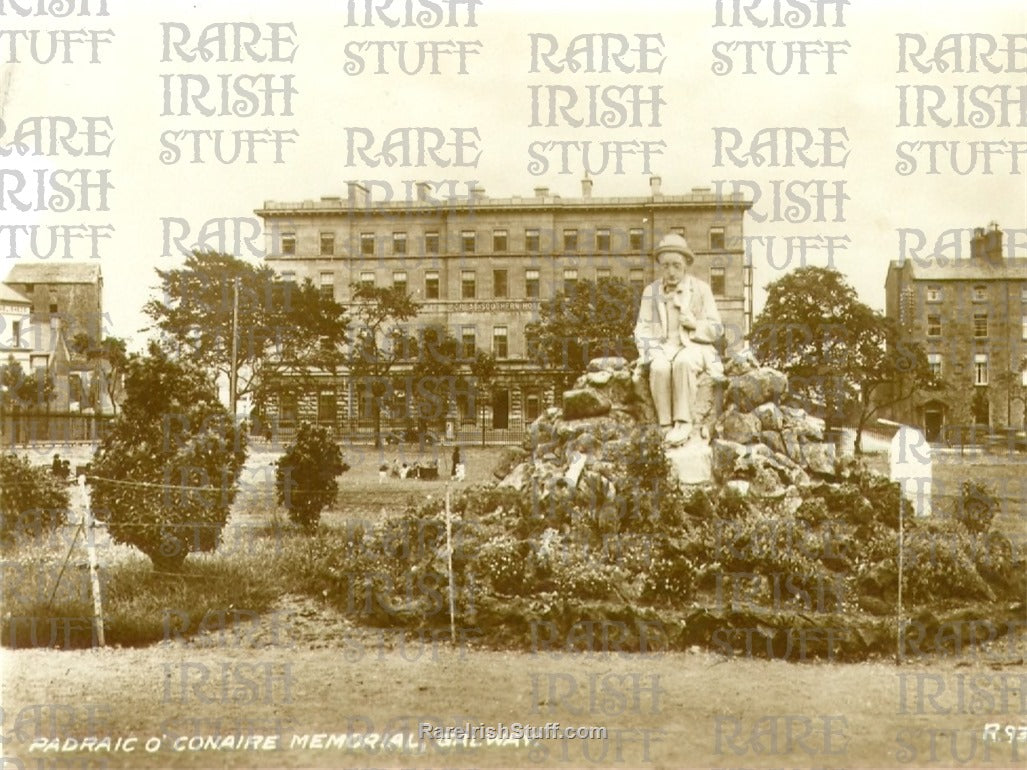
(31, 499)
(976, 506)
(305, 478)
(168, 467)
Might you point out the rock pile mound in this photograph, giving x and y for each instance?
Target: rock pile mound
(747, 436)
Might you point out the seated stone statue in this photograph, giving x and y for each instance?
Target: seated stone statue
(678, 322)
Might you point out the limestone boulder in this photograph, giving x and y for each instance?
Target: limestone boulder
(770, 416)
(691, 463)
(607, 363)
(725, 455)
(756, 387)
(584, 402)
(740, 427)
(819, 458)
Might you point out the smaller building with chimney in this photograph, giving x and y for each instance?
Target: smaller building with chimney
(43, 306)
(970, 317)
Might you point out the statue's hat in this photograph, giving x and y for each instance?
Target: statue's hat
(677, 244)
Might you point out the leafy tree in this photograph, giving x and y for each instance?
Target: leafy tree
(168, 468)
(31, 498)
(380, 342)
(836, 351)
(887, 369)
(305, 477)
(593, 319)
(432, 382)
(284, 329)
(110, 356)
(26, 390)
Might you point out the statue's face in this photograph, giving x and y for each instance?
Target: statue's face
(674, 267)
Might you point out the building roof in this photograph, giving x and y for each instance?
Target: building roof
(11, 296)
(941, 269)
(699, 197)
(54, 272)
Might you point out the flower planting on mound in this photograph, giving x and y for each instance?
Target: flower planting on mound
(588, 542)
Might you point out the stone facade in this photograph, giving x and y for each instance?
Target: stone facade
(481, 265)
(970, 315)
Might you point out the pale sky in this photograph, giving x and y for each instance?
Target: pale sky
(862, 98)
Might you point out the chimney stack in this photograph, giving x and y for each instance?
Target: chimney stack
(654, 186)
(986, 244)
(541, 192)
(477, 193)
(423, 192)
(357, 194)
(586, 188)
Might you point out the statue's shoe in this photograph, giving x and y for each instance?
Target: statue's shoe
(679, 434)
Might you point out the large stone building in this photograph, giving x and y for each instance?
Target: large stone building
(970, 316)
(481, 265)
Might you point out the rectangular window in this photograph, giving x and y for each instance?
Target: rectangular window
(468, 343)
(602, 272)
(288, 408)
(1023, 378)
(678, 231)
(327, 244)
(467, 287)
(934, 362)
(933, 325)
(367, 244)
(636, 241)
(570, 240)
(499, 240)
(431, 243)
(980, 325)
(326, 406)
(717, 238)
(289, 276)
(431, 284)
(603, 239)
(718, 281)
(934, 294)
(980, 293)
(1023, 327)
(531, 283)
(980, 368)
(499, 348)
(468, 241)
(288, 243)
(16, 334)
(1023, 292)
(499, 284)
(532, 241)
(399, 280)
(532, 408)
(327, 285)
(636, 277)
(399, 243)
(367, 278)
(570, 279)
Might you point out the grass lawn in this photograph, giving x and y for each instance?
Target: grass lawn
(302, 669)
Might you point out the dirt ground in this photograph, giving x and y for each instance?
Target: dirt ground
(303, 676)
(304, 670)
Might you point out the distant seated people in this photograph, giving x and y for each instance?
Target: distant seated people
(678, 322)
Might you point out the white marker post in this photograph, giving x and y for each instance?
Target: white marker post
(909, 459)
(94, 574)
(449, 565)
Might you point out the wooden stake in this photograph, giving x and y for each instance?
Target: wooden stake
(94, 574)
(898, 636)
(449, 564)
